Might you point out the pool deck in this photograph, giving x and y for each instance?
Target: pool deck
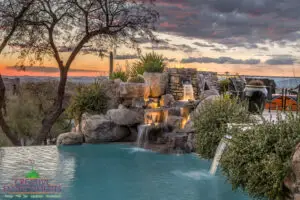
(272, 115)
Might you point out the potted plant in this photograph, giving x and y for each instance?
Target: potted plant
(154, 75)
(256, 92)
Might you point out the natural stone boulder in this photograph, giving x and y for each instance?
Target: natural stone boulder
(201, 105)
(174, 121)
(125, 116)
(292, 180)
(157, 82)
(121, 106)
(138, 102)
(207, 81)
(167, 100)
(191, 143)
(112, 90)
(132, 136)
(155, 132)
(212, 92)
(134, 90)
(296, 162)
(127, 103)
(189, 127)
(99, 129)
(175, 111)
(201, 83)
(70, 138)
(179, 142)
(211, 98)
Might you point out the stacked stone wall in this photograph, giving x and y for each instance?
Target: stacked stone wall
(200, 80)
(178, 76)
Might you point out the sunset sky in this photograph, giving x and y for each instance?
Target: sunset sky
(253, 37)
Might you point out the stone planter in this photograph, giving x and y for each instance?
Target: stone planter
(250, 89)
(157, 83)
(257, 96)
(134, 90)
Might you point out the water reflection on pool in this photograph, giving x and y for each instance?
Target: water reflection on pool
(117, 172)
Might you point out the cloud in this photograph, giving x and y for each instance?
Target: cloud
(173, 47)
(220, 60)
(171, 59)
(264, 48)
(156, 41)
(218, 50)
(243, 21)
(281, 60)
(87, 48)
(162, 47)
(185, 48)
(47, 69)
(125, 57)
(203, 44)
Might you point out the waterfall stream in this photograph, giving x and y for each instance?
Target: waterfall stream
(219, 152)
(188, 92)
(143, 136)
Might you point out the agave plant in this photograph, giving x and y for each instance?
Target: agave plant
(150, 62)
(136, 79)
(119, 74)
(153, 62)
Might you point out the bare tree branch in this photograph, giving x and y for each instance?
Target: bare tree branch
(10, 24)
(11, 136)
(75, 24)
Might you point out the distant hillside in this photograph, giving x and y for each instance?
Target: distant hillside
(24, 79)
(281, 82)
(284, 82)
(288, 83)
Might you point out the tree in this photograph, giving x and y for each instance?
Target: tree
(12, 13)
(75, 26)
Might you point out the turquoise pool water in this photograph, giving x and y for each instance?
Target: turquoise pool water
(117, 172)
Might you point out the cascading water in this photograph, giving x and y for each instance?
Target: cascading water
(143, 137)
(188, 92)
(219, 152)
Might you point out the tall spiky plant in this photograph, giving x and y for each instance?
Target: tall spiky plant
(150, 62)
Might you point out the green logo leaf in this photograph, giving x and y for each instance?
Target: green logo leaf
(32, 174)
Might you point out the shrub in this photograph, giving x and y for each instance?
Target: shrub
(4, 141)
(26, 111)
(136, 79)
(211, 120)
(43, 93)
(258, 160)
(24, 115)
(136, 69)
(256, 83)
(88, 98)
(224, 85)
(119, 74)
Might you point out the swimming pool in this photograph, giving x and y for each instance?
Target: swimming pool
(117, 172)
